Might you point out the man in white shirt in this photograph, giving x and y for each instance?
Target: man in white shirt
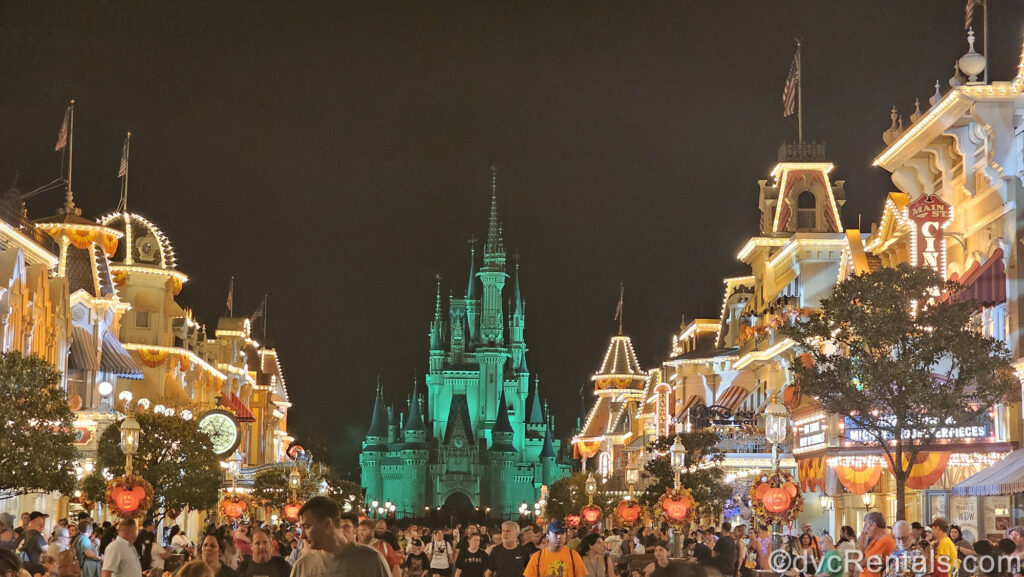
(121, 559)
(332, 555)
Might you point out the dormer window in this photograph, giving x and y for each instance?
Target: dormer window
(806, 211)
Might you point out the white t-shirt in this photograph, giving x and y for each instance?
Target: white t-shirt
(157, 559)
(121, 559)
(438, 553)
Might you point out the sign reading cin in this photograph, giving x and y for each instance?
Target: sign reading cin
(930, 215)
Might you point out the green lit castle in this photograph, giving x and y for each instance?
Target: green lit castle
(482, 436)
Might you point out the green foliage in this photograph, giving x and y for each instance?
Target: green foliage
(568, 495)
(706, 483)
(174, 456)
(918, 364)
(37, 451)
(270, 487)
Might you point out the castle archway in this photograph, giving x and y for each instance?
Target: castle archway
(458, 508)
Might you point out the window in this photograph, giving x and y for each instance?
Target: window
(806, 211)
(142, 319)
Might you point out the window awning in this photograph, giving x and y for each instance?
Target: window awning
(117, 360)
(1002, 478)
(683, 410)
(238, 407)
(985, 283)
(731, 397)
(83, 350)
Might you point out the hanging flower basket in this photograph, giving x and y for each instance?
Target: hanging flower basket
(677, 507)
(776, 498)
(129, 496)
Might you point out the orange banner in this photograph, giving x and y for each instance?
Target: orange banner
(927, 469)
(812, 474)
(81, 238)
(152, 357)
(859, 479)
(586, 449)
(109, 244)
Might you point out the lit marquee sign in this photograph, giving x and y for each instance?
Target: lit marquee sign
(946, 432)
(810, 434)
(930, 215)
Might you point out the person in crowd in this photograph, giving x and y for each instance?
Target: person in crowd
(809, 551)
(121, 559)
(441, 554)
(366, 535)
(905, 560)
(8, 538)
(831, 563)
(144, 543)
(661, 567)
(846, 546)
(806, 529)
(180, 543)
(331, 554)
(416, 561)
(593, 551)
(10, 564)
(263, 563)
(1016, 534)
(85, 550)
(472, 561)
(917, 531)
(764, 549)
(555, 556)
(946, 559)
(572, 539)
(47, 566)
(963, 547)
(383, 533)
(613, 543)
(508, 558)
(213, 549)
(33, 542)
(242, 542)
(724, 552)
(746, 557)
(875, 544)
(61, 542)
(194, 569)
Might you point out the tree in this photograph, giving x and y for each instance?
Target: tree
(174, 456)
(270, 487)
(568, 496)
(37, 451)
(706, 483)
(915, 358)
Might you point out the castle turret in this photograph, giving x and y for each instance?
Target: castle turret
(492, 275)
(548, 459)
(472, 302)
(372, 455)
(392, 425)
(437, 326)
(415, 456)
(501, 462)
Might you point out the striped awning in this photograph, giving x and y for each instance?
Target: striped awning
(117, 360)
(238, 407)
(684, 409)
(1003, 478)
(985, 283)
(731, 397)
(83, 350)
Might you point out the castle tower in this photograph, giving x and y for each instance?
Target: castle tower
(372, 456)
(415, 455)
(501, 461)
(492, 276)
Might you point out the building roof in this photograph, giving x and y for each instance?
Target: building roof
(548, 451)
(415, 420)
(535, 416)
(379, 420)
(459, 422)
(597, 422)
(117, 360)
(501, 422)
(149, 246)
(620, 362)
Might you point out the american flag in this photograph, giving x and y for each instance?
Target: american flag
(123, 170)
(789, 92)
(62, 136)
(231, 297)
(969, 13)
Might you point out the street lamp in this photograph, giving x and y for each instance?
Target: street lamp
(869, 501)
(776, 424)
(678, 452)
(130, 433)
(294, 482)
(632, 478)
(826, 502)
(590, 487)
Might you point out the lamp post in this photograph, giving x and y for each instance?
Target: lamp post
(869, 501)
(826, 502)
(294, 482)
(776, 425)
(678, 452)
(590, 487)
(632, 478)
(130, 434)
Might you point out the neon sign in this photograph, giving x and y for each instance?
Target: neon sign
(930, 216)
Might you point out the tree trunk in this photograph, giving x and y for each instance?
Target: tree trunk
(901, 495)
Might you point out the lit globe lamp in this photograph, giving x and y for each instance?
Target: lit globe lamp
(130, 436)
(678, 455)
(776, 425)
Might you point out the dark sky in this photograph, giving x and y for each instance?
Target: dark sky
(336, 155)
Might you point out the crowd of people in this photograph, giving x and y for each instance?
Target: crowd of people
(328, 543)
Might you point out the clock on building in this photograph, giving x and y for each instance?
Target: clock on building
(222, 428)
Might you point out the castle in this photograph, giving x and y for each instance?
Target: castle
(480, 439)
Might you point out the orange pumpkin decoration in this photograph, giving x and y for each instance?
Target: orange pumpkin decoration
(628, 511)
(129, 496)
(761, 490)
(291, 511)
(129, 499)
(233, 508)
(591, 514)
(777, 500)
(790, 488)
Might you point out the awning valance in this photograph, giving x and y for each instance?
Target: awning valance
(238, 407)
(83, 350)
(117, 360)
(985, 283)
(1002, 478)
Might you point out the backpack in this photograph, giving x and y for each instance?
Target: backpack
(67, 564)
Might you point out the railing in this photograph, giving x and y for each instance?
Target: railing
(11, 212)
(806, 152)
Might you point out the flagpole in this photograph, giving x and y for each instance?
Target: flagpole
(984, 9)
(124, 182)
(69, 200)
(799, 94)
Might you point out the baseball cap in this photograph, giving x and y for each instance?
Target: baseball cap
(35, 515)
(556, 526)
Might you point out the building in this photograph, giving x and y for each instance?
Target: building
(477, 435)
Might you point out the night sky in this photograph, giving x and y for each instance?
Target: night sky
(337, 157)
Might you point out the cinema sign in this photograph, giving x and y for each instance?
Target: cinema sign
(929, 215)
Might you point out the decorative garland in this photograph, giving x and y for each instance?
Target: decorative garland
(677, 507)
(776, 498)
(129, 496)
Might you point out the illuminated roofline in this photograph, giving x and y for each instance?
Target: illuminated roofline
(786, 167)
(28, 245)
(167, 256)
(776, 349)
(952, 97)
(180, 351)
(145, 269)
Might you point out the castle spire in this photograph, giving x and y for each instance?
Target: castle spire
(517, 297)
(379, 421)
(415, 420)
(494, 248)
(535, 416)
(471, 287)
(501, 422)
(548, 452)
(435, 326)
